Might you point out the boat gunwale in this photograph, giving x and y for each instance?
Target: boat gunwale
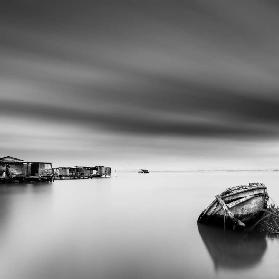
(243, 191)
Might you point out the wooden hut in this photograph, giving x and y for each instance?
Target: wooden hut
(62, 173)
(84, 172)
(73, 173)
(102, 171)
(39, 171)
(107, 171)
(55, 172)
(11, 169)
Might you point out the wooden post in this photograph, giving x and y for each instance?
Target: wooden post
(228, 212)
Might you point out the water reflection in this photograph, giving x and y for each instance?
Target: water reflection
(24, 187)
(231, 250)
(131, 226)
(13, 195)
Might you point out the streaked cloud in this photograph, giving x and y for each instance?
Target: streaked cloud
(177, 70)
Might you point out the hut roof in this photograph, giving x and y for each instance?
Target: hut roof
(10, 159)
(84, 167)
(38, 162)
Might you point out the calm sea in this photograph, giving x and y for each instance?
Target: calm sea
(132, 226)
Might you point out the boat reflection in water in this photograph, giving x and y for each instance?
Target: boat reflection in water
(231, 250)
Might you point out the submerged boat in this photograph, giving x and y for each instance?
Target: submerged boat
(236, 207)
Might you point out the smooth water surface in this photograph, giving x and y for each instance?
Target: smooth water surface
(130, 226)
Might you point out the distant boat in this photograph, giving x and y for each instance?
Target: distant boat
(237, 206)
(143, 171)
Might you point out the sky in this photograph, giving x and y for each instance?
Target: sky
(175, 85)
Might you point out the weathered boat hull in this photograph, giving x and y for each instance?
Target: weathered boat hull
(243, 204)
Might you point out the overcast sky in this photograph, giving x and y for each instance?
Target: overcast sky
(157, 84)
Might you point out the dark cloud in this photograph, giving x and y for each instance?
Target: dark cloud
(139, 124)
(185, 69)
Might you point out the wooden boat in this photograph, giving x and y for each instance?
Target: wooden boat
(143, 171)
(237, 206)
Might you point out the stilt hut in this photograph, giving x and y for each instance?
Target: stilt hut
(11, 169)
(73, 173)
(62, 173)
(84, 172)
(107, 171)
(39, 171)
(79, 172)
(99, 171)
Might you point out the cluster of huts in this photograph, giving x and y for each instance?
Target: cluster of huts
(17, 170)
(81, 172)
